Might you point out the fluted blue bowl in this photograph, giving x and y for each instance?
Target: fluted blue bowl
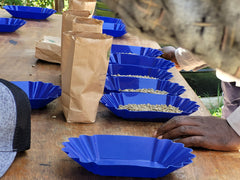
(139, 60)
(10, 24)
(113, 100)
(117, 84)
(128, 156)
(29, 12)
(133, 70)
(138, 50)
(112, 26)
(39, 93)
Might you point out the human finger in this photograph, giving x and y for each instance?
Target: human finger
(176, 122)
(193, 141)
(182, 131)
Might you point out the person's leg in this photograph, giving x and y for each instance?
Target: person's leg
(231, 98)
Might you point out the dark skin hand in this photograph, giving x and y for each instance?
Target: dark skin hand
(198, 131)
(207, 132)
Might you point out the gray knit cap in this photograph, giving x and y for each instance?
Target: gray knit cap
(15, 112)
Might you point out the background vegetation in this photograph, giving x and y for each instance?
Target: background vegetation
(101, 8)
(36, 3)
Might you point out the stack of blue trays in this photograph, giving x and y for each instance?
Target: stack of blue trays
(112, 26)
(136, 75)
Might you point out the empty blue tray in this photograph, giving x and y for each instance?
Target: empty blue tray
(138, 50)
(10, 24)
(115, 84)
(39, 93)
(113, 100)
(124, 69)
(112, 26)
(28, 12)
(115, 30)
(129, 156)
(139, 60)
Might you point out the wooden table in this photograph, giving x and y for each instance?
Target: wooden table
(45, 159)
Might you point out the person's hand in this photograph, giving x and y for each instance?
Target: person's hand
(200, 131)
(169, 54)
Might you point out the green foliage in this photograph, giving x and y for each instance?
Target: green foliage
(103, 10)
(100, 12)
(217, 110)
(101, 5)
(11, 2)
(43, 3)
(36, 3)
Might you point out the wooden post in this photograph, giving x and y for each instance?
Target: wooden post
(59, 5)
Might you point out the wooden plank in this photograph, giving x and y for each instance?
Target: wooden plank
(17, 49)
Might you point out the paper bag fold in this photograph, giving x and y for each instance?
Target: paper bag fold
(88, 5)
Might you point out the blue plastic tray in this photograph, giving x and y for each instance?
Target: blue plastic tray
(114, 84)
(138, 50)
(139, 60)
(113, 100)
(109, 19)
(129, 156)
(10, 24)
(112, 26)
(123, 69)
(28, 12)
(115, 30)
(39, 93)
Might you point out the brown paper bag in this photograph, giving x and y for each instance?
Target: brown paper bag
(88, 5)
(85, 58)
(49, 49)
(81, 24)
(69, 15)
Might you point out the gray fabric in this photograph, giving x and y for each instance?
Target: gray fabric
(7, 128)
(7, 118)
(6, 159)
(231, 97)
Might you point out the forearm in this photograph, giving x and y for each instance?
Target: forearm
(188, 61)
(234, 120)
